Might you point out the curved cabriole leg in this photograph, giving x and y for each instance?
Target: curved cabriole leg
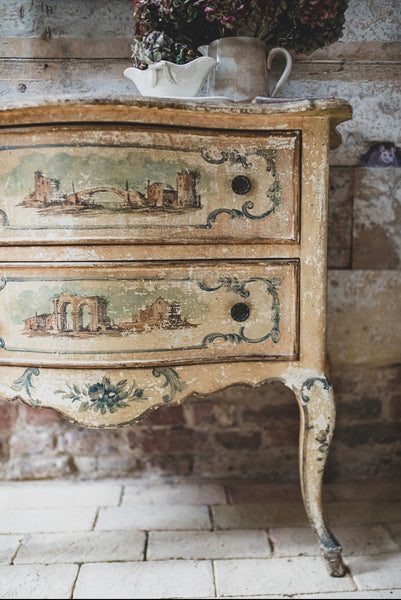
(316, 402)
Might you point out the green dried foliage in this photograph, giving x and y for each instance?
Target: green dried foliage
(157, 46)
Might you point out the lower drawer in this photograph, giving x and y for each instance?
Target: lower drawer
(129, 314)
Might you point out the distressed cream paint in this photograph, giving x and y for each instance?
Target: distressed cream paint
(240, 272)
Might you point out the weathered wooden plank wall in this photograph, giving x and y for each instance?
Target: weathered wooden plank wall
(79, 48)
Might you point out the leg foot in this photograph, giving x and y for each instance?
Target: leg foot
(316, 402)
(334, 563)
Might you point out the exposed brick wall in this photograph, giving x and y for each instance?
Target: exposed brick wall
(239, 432)
(234, 432)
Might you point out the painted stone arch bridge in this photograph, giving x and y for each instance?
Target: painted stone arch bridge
(81, 197)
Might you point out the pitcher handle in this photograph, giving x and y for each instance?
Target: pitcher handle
(288, 66)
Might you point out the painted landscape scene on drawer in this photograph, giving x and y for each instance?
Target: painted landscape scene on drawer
(138, 315)
(139, 185)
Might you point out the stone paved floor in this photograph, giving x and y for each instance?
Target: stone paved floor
(193, 539)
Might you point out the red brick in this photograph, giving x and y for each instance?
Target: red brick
(395, 408)
(171, 465)
(200, 413)
(221, 414)
(8, 416)
(284, 436)
(42, 467)
(26, 443)
(4, 448)
(169, 415)
(170, 441)
(364, 433)
(91, 442)
(358, 409)
(234, 440)
(40, 416)
(272, 411)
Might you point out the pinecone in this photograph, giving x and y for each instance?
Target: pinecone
(157, 46)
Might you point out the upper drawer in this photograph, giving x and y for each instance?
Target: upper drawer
(135, 315)
(111, 184)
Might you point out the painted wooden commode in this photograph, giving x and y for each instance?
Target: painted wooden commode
(151, 249)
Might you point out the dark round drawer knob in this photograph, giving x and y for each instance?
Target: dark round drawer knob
(241, 184)
(240, 311)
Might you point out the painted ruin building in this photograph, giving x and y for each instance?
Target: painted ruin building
(72, 314)
(46, 190)
(161, 314)
(184, 196)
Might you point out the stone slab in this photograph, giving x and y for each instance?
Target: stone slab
(8, 547)
(260, 493)
(299, 541)
(91, 546)
(382, 571)
(207, 545)
(61, 494)
(257, 516)
(285, 576)
(45, 520)
(370, 489)
(37, 581)
(165, 517)
(358, 595)
(363, 512)
(171, 493)
(254, 492)
(167, 579)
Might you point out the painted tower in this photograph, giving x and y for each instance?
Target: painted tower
(47, 190)
(186, 188)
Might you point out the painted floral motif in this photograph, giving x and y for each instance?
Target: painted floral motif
(172, 379)
(103, 397)
(25, 383)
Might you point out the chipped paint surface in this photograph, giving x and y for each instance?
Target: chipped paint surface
(158, 314)
(87, 184)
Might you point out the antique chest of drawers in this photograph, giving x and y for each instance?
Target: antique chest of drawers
(152, 249)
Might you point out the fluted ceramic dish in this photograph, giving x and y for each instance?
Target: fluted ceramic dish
(168, 80)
